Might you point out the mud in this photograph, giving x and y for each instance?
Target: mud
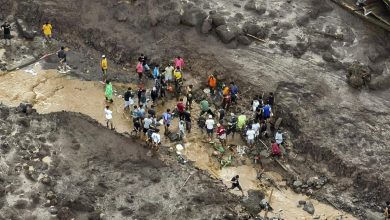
(335, 130)
(107, 176)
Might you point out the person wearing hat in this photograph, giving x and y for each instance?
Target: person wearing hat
(210, 127)
(221, 134)
(104, 66)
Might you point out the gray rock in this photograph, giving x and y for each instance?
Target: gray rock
(25, 30)
(193, 17)
(297, 183)
(250, 5)
(227, 33)
(218, 19)
(21, 204)
(206, 26)
(309, 208)
(261, 10)
(302, 202)
(53, 210)
(302, 20)
(370, 215)
(244, 40)
(251, 28)
(328, 57)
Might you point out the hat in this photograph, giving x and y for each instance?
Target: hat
(210, 116)
(154, 88)
(218, 124)
(103, 56)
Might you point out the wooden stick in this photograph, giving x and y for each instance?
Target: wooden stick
(256, 38)
(264, 144)
(188, 178)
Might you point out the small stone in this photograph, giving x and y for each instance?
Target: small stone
(309, 208)
(297, 183)
(53, 210)
(21, 204)
(302, 202)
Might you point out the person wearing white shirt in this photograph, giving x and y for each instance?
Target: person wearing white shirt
(251, 136)
(279, 137)
(256, 128)
(108, 114)
(210, 127)
(156, 138)
(255, 104)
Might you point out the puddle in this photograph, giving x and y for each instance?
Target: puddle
(52, 92)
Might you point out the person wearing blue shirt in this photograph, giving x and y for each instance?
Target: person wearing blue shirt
(156, 71)
(167, 118)
(233, 92)
(267, 111)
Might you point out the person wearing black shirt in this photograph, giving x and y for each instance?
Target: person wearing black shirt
(236, 184)
(62, 58)
(152, 111)
(128, 97)
(7, 32)
(187, 119)
(271, 99)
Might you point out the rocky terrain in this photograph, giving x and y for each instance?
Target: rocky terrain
(337, 131)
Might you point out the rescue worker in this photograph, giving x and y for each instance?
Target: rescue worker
(7, 32)
(104, 66)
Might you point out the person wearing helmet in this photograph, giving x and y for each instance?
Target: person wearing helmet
(104, 66)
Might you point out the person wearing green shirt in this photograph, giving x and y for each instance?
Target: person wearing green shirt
(241, 121)
(204, 107)
(108, 91)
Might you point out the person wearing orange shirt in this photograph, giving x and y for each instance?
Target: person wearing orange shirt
(212, 82)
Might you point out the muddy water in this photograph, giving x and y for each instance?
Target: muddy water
(52, 92)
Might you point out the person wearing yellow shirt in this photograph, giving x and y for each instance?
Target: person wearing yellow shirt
(47, 29)
(177, 73)
(178, 81)
(104, 66)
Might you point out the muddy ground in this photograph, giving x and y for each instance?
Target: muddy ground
(68, 164)
(336, 131)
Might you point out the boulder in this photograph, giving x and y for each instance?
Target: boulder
(21, 204)
(251, 28)
(370, 215)
(250, 5)
(193, 17)
(25, 30)
(309, 208)
(303, 20)
(328, 57)
(244, 40)
(297, 183)
(218, 20)
(206, 26)
(227, 33)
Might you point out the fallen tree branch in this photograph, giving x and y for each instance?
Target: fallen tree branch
(188, 178)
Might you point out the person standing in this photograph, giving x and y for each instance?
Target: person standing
(271, 99)
(154, 95)
(212, 83)
(182, 129)
(232, 124)
(256, 128)
(144, 61)
(387, 211)
(236, 184)
(7, 32)
(275, 149)
(104, 66)
(179, 62)
(181, 108)
(234, 92)
(108, 92)
(128, 97)
(189, 96)
(147, 122)
(221, 134)
(221, 114)
(156, 138)
(167, 118)
(204, 107)
(210, 127)
(108, 114)
(169, 73)
(187, 119)
(47, 31)
(279, 137)
(62, 59)
(139, 70)
(255, 103)
(267, 111)
(250, 133)
(156, 71)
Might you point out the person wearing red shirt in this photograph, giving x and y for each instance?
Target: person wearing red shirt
(221, 132)
(275, 149)
(181, 109)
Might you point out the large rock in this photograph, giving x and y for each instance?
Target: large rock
(370, 215)
(206, 26)
(250, 5)
(218, 20)
(309, 208)
(25, 30)
(227, 33)
(251, 28)
(193, 17)
(244, 40)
